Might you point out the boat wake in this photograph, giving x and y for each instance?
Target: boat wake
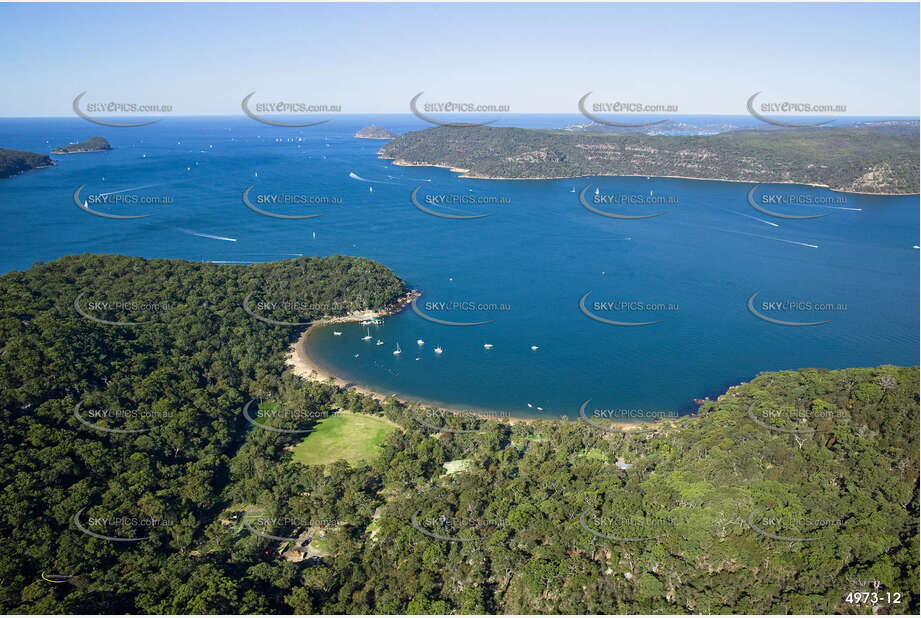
(355, 176)
(190, 232)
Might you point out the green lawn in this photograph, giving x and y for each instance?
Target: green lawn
(344, 435)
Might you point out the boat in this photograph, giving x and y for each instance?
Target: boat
(398, 350)
(420, 342)
(337, 333)
(573, 190)
(530, 406)
(367, 337)
(488, 346)
(534, 347)
(379, 342)
(438, 350)
(371, 189)
(372, 321)
(540, 408)
(597, 191)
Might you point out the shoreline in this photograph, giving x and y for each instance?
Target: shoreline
(465, 173)
(300, 362)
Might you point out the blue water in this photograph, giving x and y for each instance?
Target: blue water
(536, 256)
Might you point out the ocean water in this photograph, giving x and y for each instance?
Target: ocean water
(524, 268)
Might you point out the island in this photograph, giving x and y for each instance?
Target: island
(93, 144)
(372, 131)
(857, 159)
(14, 162)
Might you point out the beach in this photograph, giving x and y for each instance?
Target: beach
(304, 366)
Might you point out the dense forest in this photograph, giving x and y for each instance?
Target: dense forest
(14, 162)
(122, 382)
(857, 159)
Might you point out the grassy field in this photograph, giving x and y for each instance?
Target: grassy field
(352, 437)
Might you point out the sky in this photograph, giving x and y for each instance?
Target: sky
(538, 58)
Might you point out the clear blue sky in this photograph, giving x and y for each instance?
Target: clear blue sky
(536, 58)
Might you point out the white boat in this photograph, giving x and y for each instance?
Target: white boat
(539, 408)
(597, 191)
(379, 342)
(370, 189)
(530, 406)
(420, 342)
(398, 350)
(438, 350)
(488, 346)
(534, 347)
(356, 356)
(573, 190)
(367, 337)
(337, 333)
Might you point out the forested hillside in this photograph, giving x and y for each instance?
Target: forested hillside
(784, 496)
(857, 159)
(14, 162)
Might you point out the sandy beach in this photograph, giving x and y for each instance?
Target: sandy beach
(303, 365)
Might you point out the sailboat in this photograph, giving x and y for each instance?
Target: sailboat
(371, 189)
(367, 337)
(488, 346)
(379, 342)
(573, 190)
(337, 333)
(597, 191)
(438, 350)
(420, 342)
(398, 350)
(534, 347)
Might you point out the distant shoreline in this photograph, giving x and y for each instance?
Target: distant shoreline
(465, 173)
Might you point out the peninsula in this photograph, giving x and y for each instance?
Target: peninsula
(14, 162)
(851, 159)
